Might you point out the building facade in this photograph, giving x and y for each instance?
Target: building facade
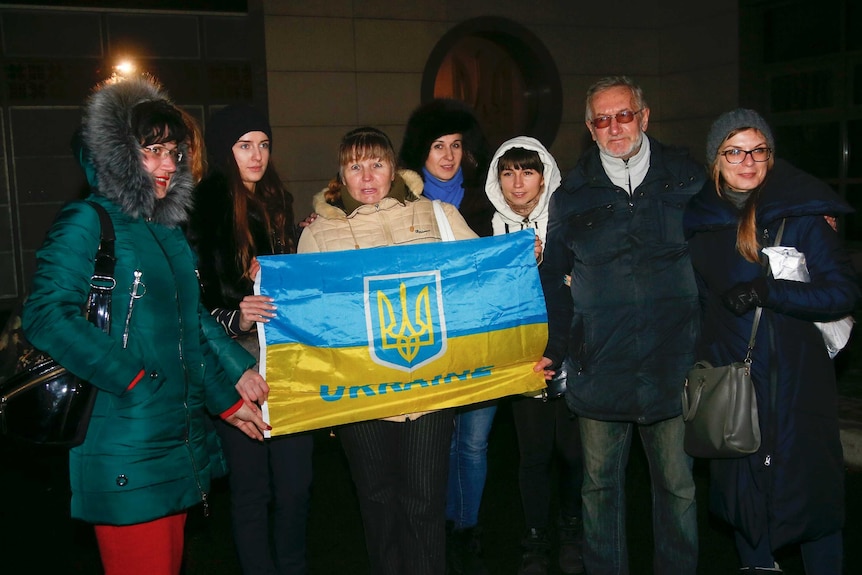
(322, 68)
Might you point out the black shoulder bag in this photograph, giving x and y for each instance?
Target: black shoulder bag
(40, 401)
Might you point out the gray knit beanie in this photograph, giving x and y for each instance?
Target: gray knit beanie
(735, 120)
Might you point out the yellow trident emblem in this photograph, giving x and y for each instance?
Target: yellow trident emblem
(408, 340)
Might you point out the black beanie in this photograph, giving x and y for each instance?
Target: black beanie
(227, 126)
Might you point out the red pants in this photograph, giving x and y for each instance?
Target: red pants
(152, 548)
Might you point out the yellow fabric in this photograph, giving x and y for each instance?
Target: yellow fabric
(311, 388)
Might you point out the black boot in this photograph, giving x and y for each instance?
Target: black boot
(536, 549)
(570, 536)
(464, 552)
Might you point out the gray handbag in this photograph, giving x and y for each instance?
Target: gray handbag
(719, 406)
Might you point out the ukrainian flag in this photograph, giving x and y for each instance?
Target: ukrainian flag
(379, 332)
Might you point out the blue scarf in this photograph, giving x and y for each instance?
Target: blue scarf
(451, 192)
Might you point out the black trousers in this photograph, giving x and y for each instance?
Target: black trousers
(547, 430)
(400, 471)
(270, 491)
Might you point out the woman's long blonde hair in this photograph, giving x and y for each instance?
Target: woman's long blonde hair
(747, 243)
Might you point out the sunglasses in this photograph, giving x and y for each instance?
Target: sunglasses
(623, 117)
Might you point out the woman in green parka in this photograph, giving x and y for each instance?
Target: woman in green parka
(149, 454)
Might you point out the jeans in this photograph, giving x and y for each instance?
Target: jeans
(468, 464)
(270, 491)
(606, 453)
(824, 556)
(547, 430)
(399, 470)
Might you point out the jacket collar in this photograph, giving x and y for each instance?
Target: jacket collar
(591, 172)
(406, 187)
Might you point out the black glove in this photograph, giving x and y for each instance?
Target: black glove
(746, 296)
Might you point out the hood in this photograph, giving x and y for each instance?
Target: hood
(411, 180)
(495, 192)
(116, 157)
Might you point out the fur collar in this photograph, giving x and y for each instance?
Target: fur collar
(322, 208)
(115, 154)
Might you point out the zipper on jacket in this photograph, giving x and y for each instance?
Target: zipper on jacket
(384, 224)
(189, 451)
(133, 296)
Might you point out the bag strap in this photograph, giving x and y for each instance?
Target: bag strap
(102, 282)
(759, 311)
(446, 233)
(105, 260)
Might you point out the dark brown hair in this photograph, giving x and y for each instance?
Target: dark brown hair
(271, 202)
(520, 159)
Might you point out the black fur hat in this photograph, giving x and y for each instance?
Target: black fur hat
(440, 117)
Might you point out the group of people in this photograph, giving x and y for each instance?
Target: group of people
(648, 262)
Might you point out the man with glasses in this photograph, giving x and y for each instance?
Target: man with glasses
(622, 305)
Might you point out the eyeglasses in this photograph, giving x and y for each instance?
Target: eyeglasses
(736, 156)
(623, 117)
(164, 153)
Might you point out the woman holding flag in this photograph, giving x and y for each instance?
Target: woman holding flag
(241, 211)
(399, 464)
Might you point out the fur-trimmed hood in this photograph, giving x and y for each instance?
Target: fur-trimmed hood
(116, 157)
(505, 219)
(410, 179)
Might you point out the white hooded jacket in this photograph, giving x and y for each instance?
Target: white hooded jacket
(505, 220)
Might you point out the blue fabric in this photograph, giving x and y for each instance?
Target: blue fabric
(824, 556)
(451, 191)
(468, 465)
(606, 452)
(325, 290)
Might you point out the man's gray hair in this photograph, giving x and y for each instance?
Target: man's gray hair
(612, 82)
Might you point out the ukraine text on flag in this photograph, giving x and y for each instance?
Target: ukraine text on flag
(386, 331)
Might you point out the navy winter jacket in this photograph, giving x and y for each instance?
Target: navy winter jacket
(629, 319)
(792, 489)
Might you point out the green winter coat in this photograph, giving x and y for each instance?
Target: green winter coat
(150, 450)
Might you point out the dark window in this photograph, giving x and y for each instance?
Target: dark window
(802, 91)
(853, 222)
(816, 148)
(229, 82)
(794, 30)
(854, 149)
(857, 84)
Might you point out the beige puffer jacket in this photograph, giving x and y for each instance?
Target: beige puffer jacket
(387, 223)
